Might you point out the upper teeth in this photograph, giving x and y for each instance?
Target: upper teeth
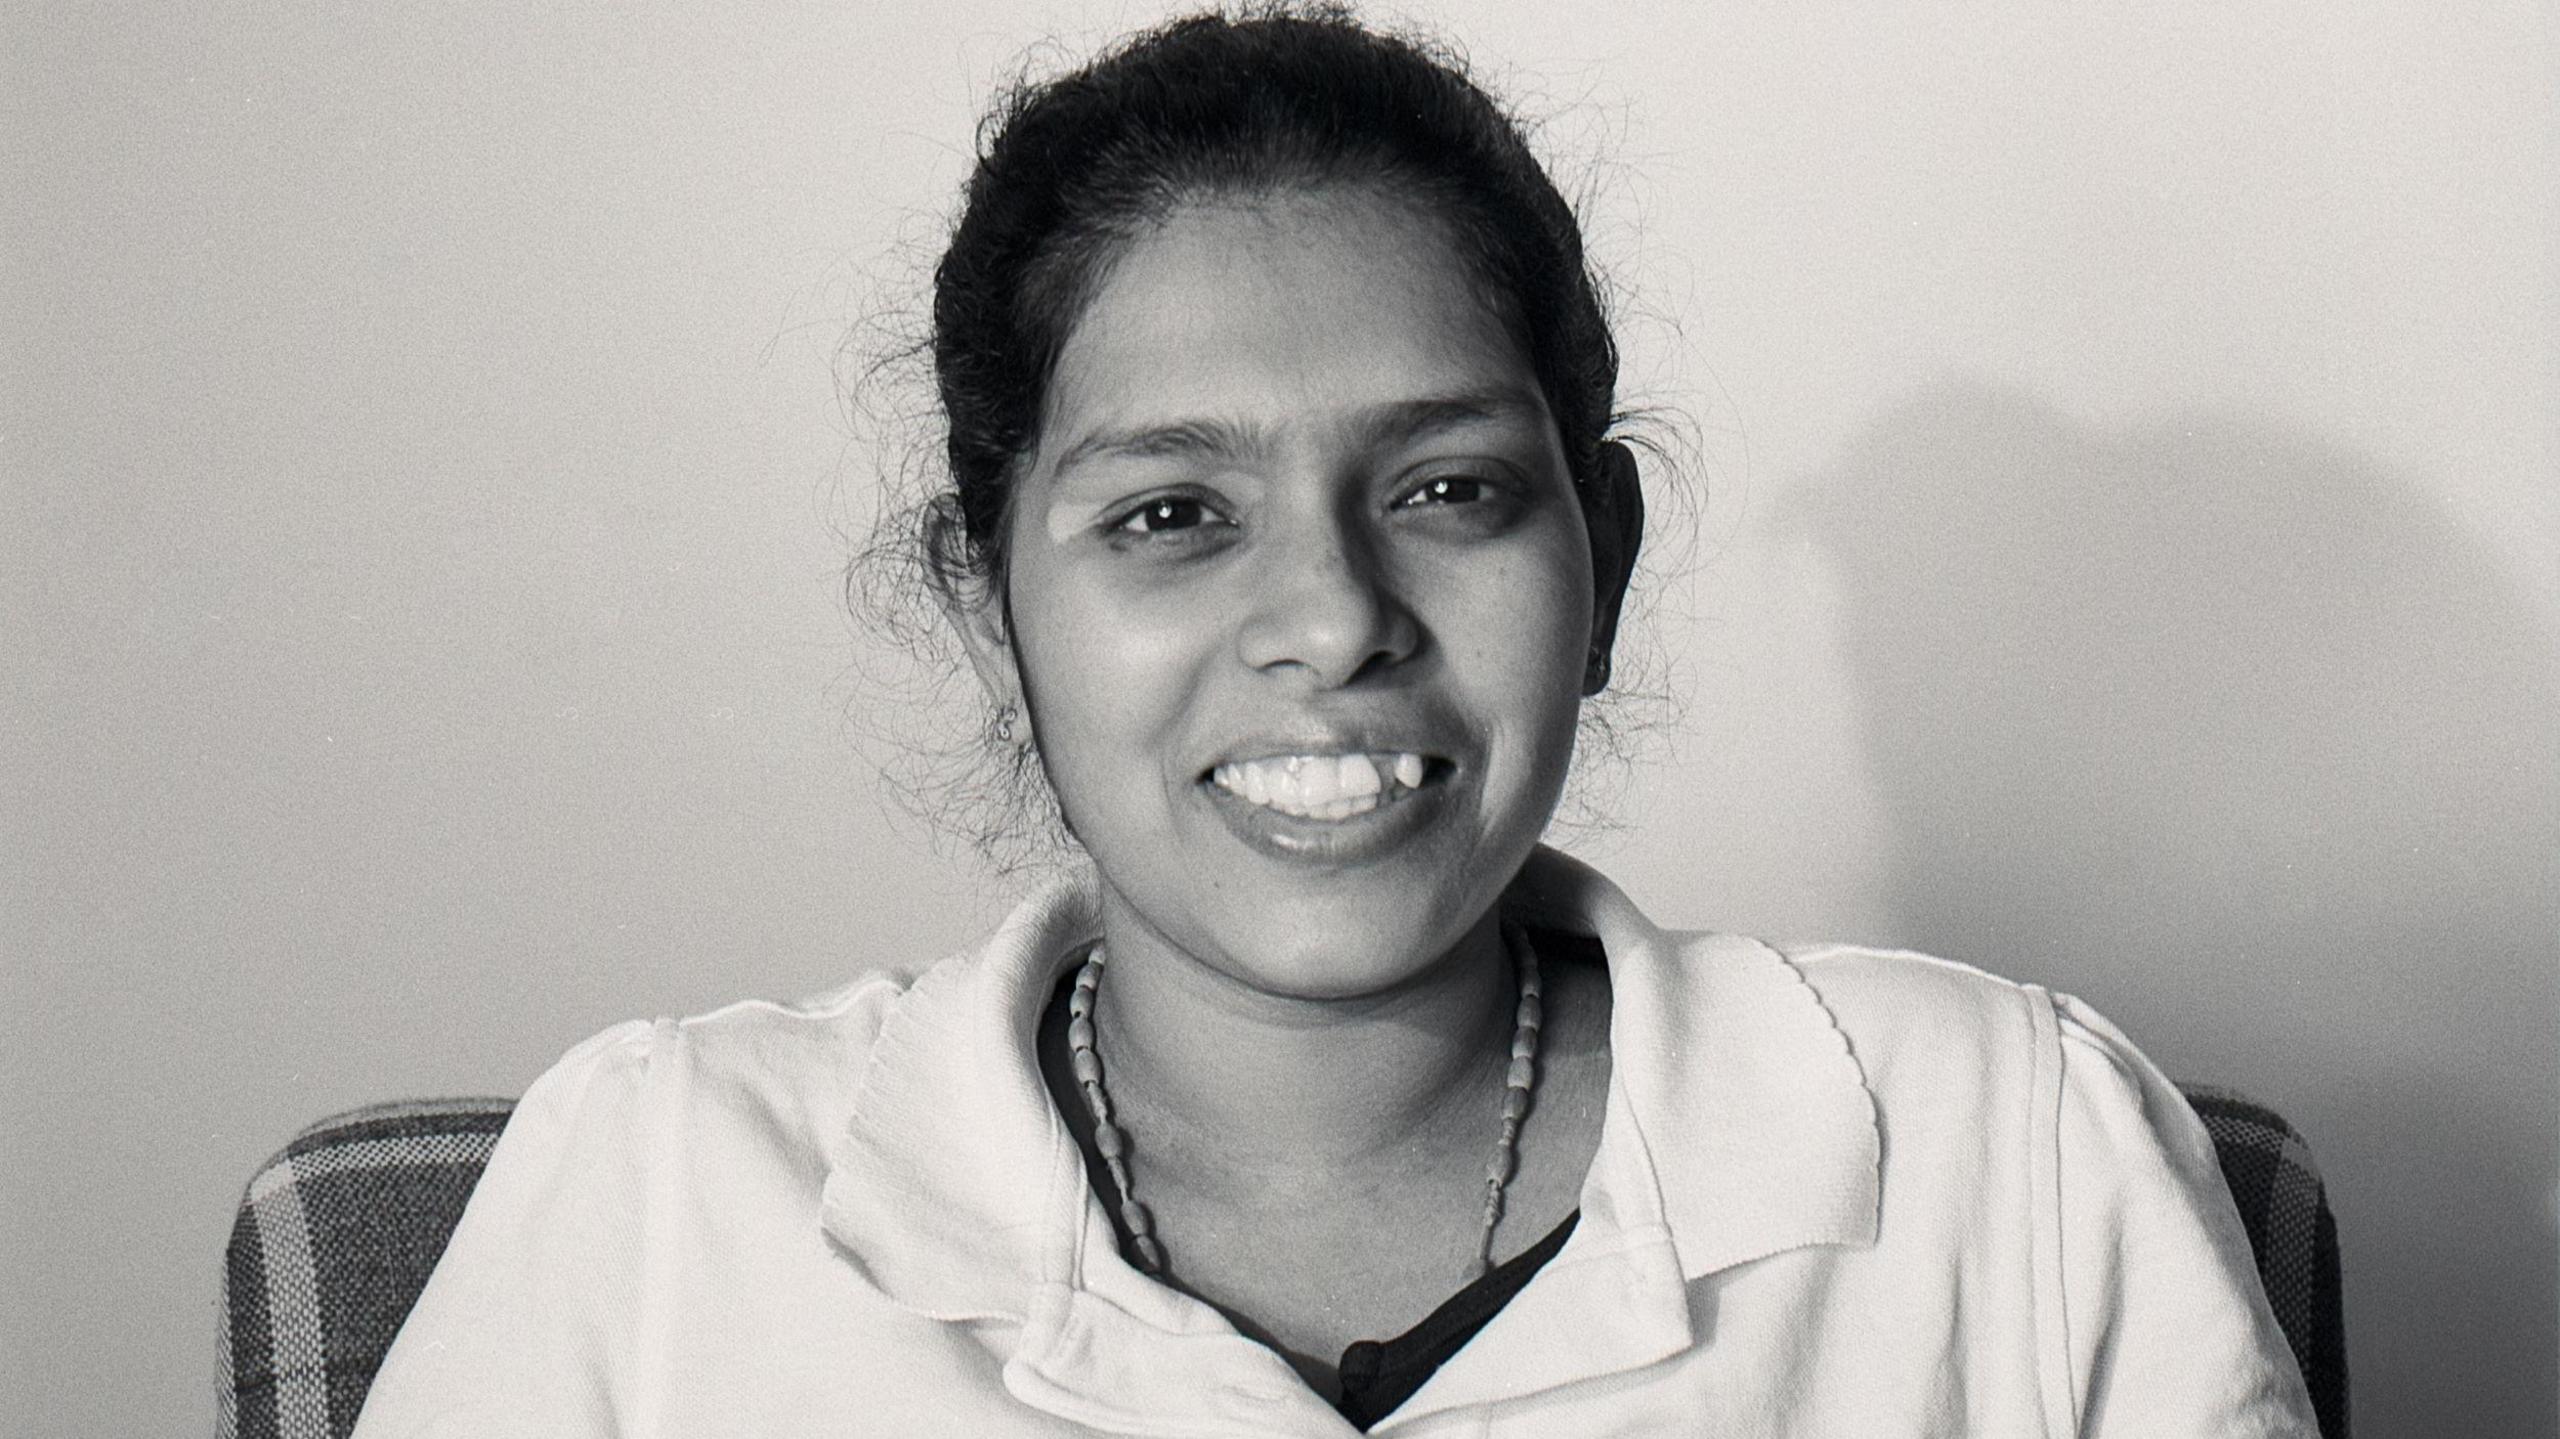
(1321, 786)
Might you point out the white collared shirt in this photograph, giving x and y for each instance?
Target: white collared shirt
(1838, 1192)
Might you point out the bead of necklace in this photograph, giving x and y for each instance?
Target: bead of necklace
(1520, 1082)
(1108, 1138)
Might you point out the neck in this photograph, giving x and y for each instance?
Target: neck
(1229, 1084)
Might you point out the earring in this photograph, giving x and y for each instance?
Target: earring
(1005, 722)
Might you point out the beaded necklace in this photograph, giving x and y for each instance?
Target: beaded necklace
(1112, 1142)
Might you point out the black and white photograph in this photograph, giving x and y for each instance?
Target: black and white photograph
(1061, 717)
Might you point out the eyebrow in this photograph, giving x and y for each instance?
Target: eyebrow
(1393, 423)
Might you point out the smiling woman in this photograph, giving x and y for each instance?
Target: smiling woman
(1287, 537)
(1330, 519)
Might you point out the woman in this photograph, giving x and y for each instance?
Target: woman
(1285, 532)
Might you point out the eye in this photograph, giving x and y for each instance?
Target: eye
(1446, 490)
(1166, 514)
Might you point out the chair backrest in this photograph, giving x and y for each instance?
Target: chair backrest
(2292, 1234)
(332, 1244)
(338, 1234)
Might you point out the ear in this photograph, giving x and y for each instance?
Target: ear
(984, 621)
(1613, 511)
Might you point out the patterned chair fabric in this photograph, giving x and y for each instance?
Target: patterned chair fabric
(331, 1246)
(2292, 1233)
(338, 1234)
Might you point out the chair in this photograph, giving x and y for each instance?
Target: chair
(338, 1234)
(332, 1244)
(2292, 1235)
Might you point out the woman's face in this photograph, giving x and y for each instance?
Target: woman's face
(1301, 594)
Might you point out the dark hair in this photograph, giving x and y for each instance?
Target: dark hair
(1214, 107)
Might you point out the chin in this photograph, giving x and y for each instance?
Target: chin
(1346, 946)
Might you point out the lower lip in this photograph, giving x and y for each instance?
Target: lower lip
(1359, 838)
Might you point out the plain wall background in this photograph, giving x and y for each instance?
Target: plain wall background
(2130, 560)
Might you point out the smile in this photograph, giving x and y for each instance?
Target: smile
(1324, 786)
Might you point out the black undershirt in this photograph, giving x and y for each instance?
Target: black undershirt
(1377, 1375)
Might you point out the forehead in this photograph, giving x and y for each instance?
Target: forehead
(1285, 311)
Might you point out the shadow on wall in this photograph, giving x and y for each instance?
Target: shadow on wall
(2230, 733)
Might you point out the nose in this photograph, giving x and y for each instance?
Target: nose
(1324, 603)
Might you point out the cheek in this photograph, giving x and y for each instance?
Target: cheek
(1550, 648)
(1108, 673)
(1526, 625)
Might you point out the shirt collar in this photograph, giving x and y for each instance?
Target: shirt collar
(1753, 1111)
(954, 1170)
(1739, 1125)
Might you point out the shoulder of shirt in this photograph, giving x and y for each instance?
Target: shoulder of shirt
(762, 1084)
(1881, 996)
(831, 1030)
(1903, 975)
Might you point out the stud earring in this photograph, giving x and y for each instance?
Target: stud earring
(1007, 719)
